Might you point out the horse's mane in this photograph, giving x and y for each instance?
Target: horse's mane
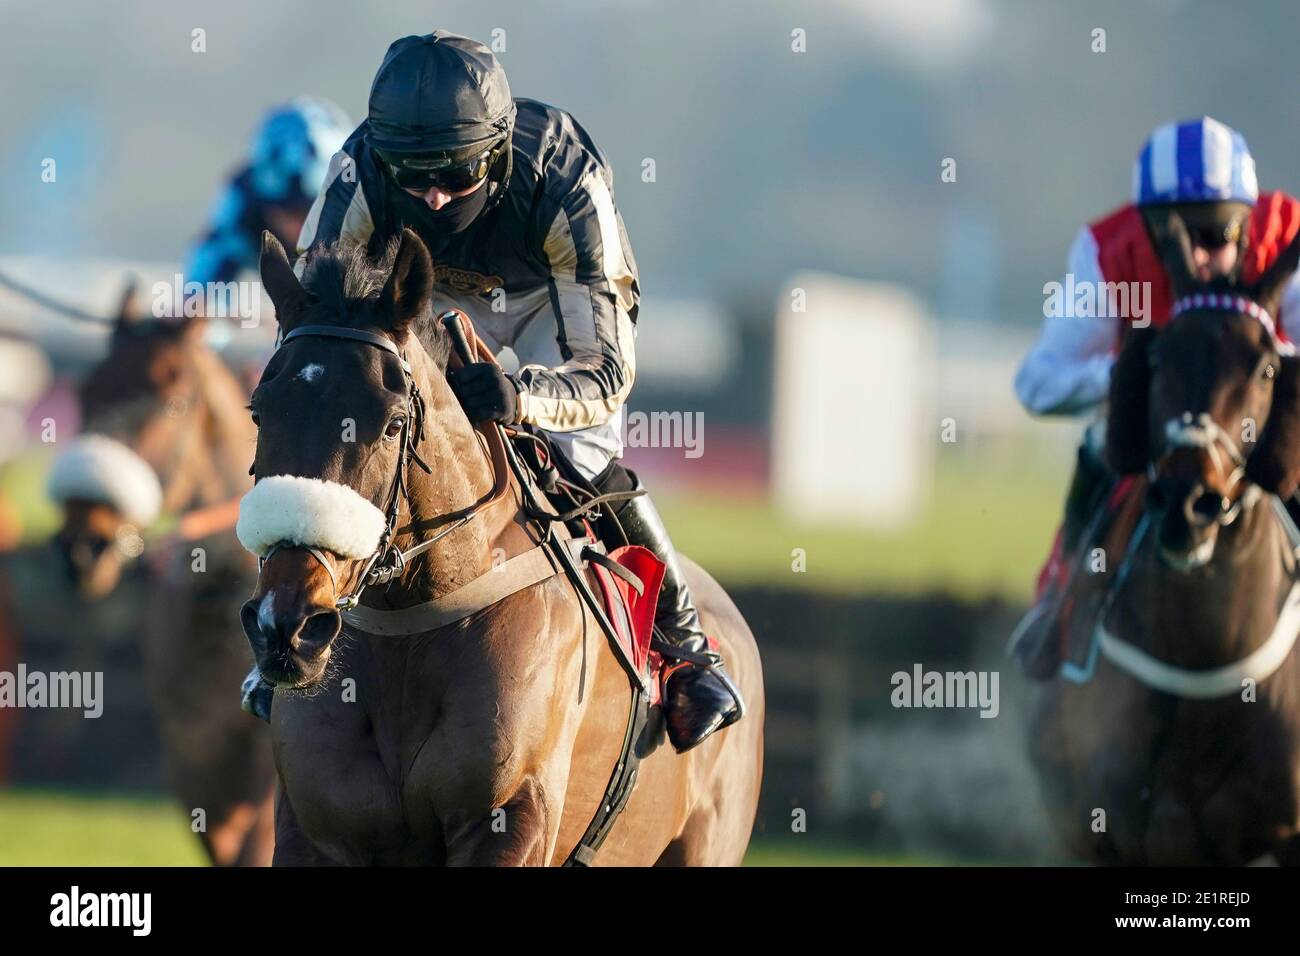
(347, 284)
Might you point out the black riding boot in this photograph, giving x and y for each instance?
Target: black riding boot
(1034, 643)
(696, 700)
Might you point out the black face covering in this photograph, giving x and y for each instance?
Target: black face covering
(437, 227)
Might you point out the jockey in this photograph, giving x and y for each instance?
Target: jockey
(273, 190)
(1202, 170)
(513, 199)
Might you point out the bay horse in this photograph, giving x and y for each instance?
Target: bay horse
(488, 741)
(1183, 745)
(165, 433)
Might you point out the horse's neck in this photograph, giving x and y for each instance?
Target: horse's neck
(461, 475)
(1197, 619)
(220, 472)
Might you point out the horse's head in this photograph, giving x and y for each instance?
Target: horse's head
(1209, 406)
(141, 416)
(340, 413)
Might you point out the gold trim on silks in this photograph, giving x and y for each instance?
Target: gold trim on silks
(464, 281)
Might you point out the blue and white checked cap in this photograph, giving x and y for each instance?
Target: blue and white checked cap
(1197, 160)
(291, 151)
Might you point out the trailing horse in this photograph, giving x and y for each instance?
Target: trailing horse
(165, 434)
(460, 714)
(1178, 739)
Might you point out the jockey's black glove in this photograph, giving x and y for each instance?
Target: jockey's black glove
(486, 393)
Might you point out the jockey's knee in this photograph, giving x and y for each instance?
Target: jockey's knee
(592, 450)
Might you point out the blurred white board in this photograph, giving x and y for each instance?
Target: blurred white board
(853, 428)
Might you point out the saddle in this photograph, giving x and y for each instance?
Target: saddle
(586, 513)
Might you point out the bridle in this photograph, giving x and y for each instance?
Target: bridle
(1190, 430)
(1237, 304)
(388, 562)
(1201, 431)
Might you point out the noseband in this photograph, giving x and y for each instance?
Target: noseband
(387, 562)
(1202, 431)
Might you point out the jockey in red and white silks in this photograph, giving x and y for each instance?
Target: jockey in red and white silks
(1204, 171)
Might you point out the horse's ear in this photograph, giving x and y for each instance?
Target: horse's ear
(1174, 246)
(410, 285)
(1128, 448)
(1274, 465)
(128, 313)
(282, 285)
(1271, 287)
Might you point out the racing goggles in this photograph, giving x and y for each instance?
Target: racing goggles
(1215, 236)
(1212, 226)
(442, 171)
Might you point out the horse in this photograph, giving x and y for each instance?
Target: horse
(488, 741)
(165, 433)
(1182, 747)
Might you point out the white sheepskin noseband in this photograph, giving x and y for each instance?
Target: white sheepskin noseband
(97, 468)
(309, 513)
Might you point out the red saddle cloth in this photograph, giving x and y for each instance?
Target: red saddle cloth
(1057, 572)
(1056, 569)
(632, 614)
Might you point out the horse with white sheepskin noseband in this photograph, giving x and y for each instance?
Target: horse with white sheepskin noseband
(289, 511)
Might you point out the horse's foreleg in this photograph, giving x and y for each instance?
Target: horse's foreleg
(514, 834)
(292, 847)
(259, 841)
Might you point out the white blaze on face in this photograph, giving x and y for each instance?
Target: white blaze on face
(310, 372)
(266, 612)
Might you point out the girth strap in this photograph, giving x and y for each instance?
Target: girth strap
(520, 572)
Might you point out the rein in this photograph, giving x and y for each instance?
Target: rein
(388, 561)
(558, 553)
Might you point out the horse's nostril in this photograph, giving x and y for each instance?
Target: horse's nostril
(1210, 505)
(317, 632)
(276, 633)
(252, 626)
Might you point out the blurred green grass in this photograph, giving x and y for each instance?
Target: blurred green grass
(42, 828)
(985, 533)
(50, 828)
(22, 483)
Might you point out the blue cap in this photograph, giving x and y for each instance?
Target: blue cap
(292, 150)
(1198, 160)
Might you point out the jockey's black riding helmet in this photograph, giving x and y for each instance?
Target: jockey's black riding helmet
(441, 114)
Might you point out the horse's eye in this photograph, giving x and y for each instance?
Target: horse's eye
(394, 428)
